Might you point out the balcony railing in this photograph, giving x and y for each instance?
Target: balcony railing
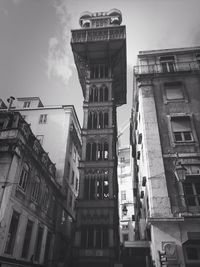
(165, 67)
(93, 35)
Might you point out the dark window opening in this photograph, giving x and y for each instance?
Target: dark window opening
(27, 239)
(12, 233)
(38, 243)
(94, 237)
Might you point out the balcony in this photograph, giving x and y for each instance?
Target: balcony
(100, 34)
(166, 67)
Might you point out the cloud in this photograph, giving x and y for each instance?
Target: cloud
(60, 59)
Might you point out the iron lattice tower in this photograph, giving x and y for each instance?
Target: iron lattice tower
(99, 49)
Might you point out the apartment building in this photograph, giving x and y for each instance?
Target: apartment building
(31, 209)
(58, 130)
(126, 205)
(166, 150)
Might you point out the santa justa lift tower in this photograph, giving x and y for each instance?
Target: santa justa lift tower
(99, 49)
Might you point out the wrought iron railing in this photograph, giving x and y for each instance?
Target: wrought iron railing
(100, 34)
(163, 68)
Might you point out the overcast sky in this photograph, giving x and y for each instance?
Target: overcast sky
(35, 53)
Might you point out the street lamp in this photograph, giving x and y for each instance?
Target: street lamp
(180, 171)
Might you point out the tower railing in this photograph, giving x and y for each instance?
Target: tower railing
(98, 34)
(175, 67)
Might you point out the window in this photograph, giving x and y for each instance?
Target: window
(27, 104)
(191, 189)
(124, 226)
(27, 239)
(43, 119)
(182, 130)
(98, 71)
(123, 169)
(97, 120)
(94, 237)
(40, 138)
(45, 201)
(38, 243)
(167, 63)
(36, 190)
(174, 91)
(96, 185)
(122, 159)
(123, 195)
(23, 181)
(98, 94)
(12, 233)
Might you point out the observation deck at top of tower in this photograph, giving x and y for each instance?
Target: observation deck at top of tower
(101, 40)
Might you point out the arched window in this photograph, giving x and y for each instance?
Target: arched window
(36, 190)
(90, 120)
(23, 181)
(96, 185)
(45, 201)
(105, 151)
(94, 150)
(94, 122)
(106, 120)
(100, 152)
(105, 93)
(91, 95)
(96, 94)
(100, 126)
(101, 93)
(88, 151)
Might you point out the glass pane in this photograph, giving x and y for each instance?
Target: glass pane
(178, 136)
(187, 136)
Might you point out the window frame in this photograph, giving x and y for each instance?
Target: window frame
(27, 240)
(35, 192)
(26, 104)
(175, 84)
(24, 177)
(174, 143)
(43, 118)
(193, 181)
(11, 236)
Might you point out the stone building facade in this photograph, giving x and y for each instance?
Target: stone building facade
(58, 130)
(125, 195)
(166, 149)
(31, 201)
